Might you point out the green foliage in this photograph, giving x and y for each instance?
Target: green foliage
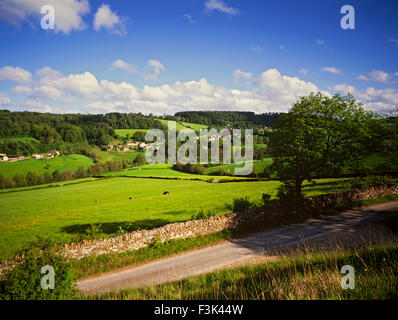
(241, 205)
(319, 135)
(139, 160)
(23, 282)
(94, 231)
(371, 181)
(266, 197)
(203, 214)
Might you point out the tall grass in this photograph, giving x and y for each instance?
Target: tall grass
(312, 275)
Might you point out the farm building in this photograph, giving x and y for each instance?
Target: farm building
(3, 157)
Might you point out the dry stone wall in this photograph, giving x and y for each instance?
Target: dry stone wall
(139, 239)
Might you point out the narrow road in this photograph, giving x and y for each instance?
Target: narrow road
(207, 259)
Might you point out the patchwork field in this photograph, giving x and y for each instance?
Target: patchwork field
(71, 162)
(125, 132)
(185, 125)
(68, 210)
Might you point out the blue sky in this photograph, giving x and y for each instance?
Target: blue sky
(167, 56)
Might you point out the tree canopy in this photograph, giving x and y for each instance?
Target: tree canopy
(317, 136)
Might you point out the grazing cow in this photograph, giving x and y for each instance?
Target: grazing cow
(166, 192)
(130, 198)
(96, 201)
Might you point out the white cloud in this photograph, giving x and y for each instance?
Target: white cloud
(363, 77)
(396, 74)
(320, 42)
(48, 73)
(283, 90)
(105, 18)
(271, 91)
(189, 18)
(85, 85)
(332, 70)
(221, 6)
(375, 75)
(157, 67)
(4, 100)
(303, 71)
(26, 91)
(281, 47)
(68, 13)
(379, 76)
(377, 100)
(123, 65)
(15, 74)
(256, 48)
(238, 74)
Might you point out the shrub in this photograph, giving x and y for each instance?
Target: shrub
(371, 181)
(202, 214)
(23, 282)
(241, 205)
(266, 198)
(93, 231)
(156, 242)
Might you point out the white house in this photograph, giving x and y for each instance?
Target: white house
(3, 157)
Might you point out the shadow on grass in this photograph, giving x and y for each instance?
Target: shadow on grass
(114, 227)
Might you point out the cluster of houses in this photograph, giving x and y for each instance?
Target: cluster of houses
(49, 155)
(9, 158)
(130, 146)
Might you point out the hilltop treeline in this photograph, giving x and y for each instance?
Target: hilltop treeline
(65, 132)
(236, 119)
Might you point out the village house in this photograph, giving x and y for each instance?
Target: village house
(3, 157)
(132, 145)
(37, 156)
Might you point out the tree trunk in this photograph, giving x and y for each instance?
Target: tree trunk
(299, 182)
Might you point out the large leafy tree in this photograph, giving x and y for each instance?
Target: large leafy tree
(317, 136)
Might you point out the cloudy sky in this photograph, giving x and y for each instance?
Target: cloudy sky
(166, 56)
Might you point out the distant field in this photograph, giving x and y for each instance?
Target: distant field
(71, 162)
(165, 171)
(115, 155)
(258, 165)
(23, 139)
(185, 125)
(125, 132)
(65, 211)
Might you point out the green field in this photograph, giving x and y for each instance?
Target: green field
(105, 156)
(66, 211)
(166, 171)
(125, 132)
(71, 162)
(185, 125)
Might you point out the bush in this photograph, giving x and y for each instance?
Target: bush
(202, 214)
(266, 198)
(93, 231)
(23, 282)
(241, 205)
(371, 181)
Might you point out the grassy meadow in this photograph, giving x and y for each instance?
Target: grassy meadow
(68, 210)
(70, 162)
(130, 132)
